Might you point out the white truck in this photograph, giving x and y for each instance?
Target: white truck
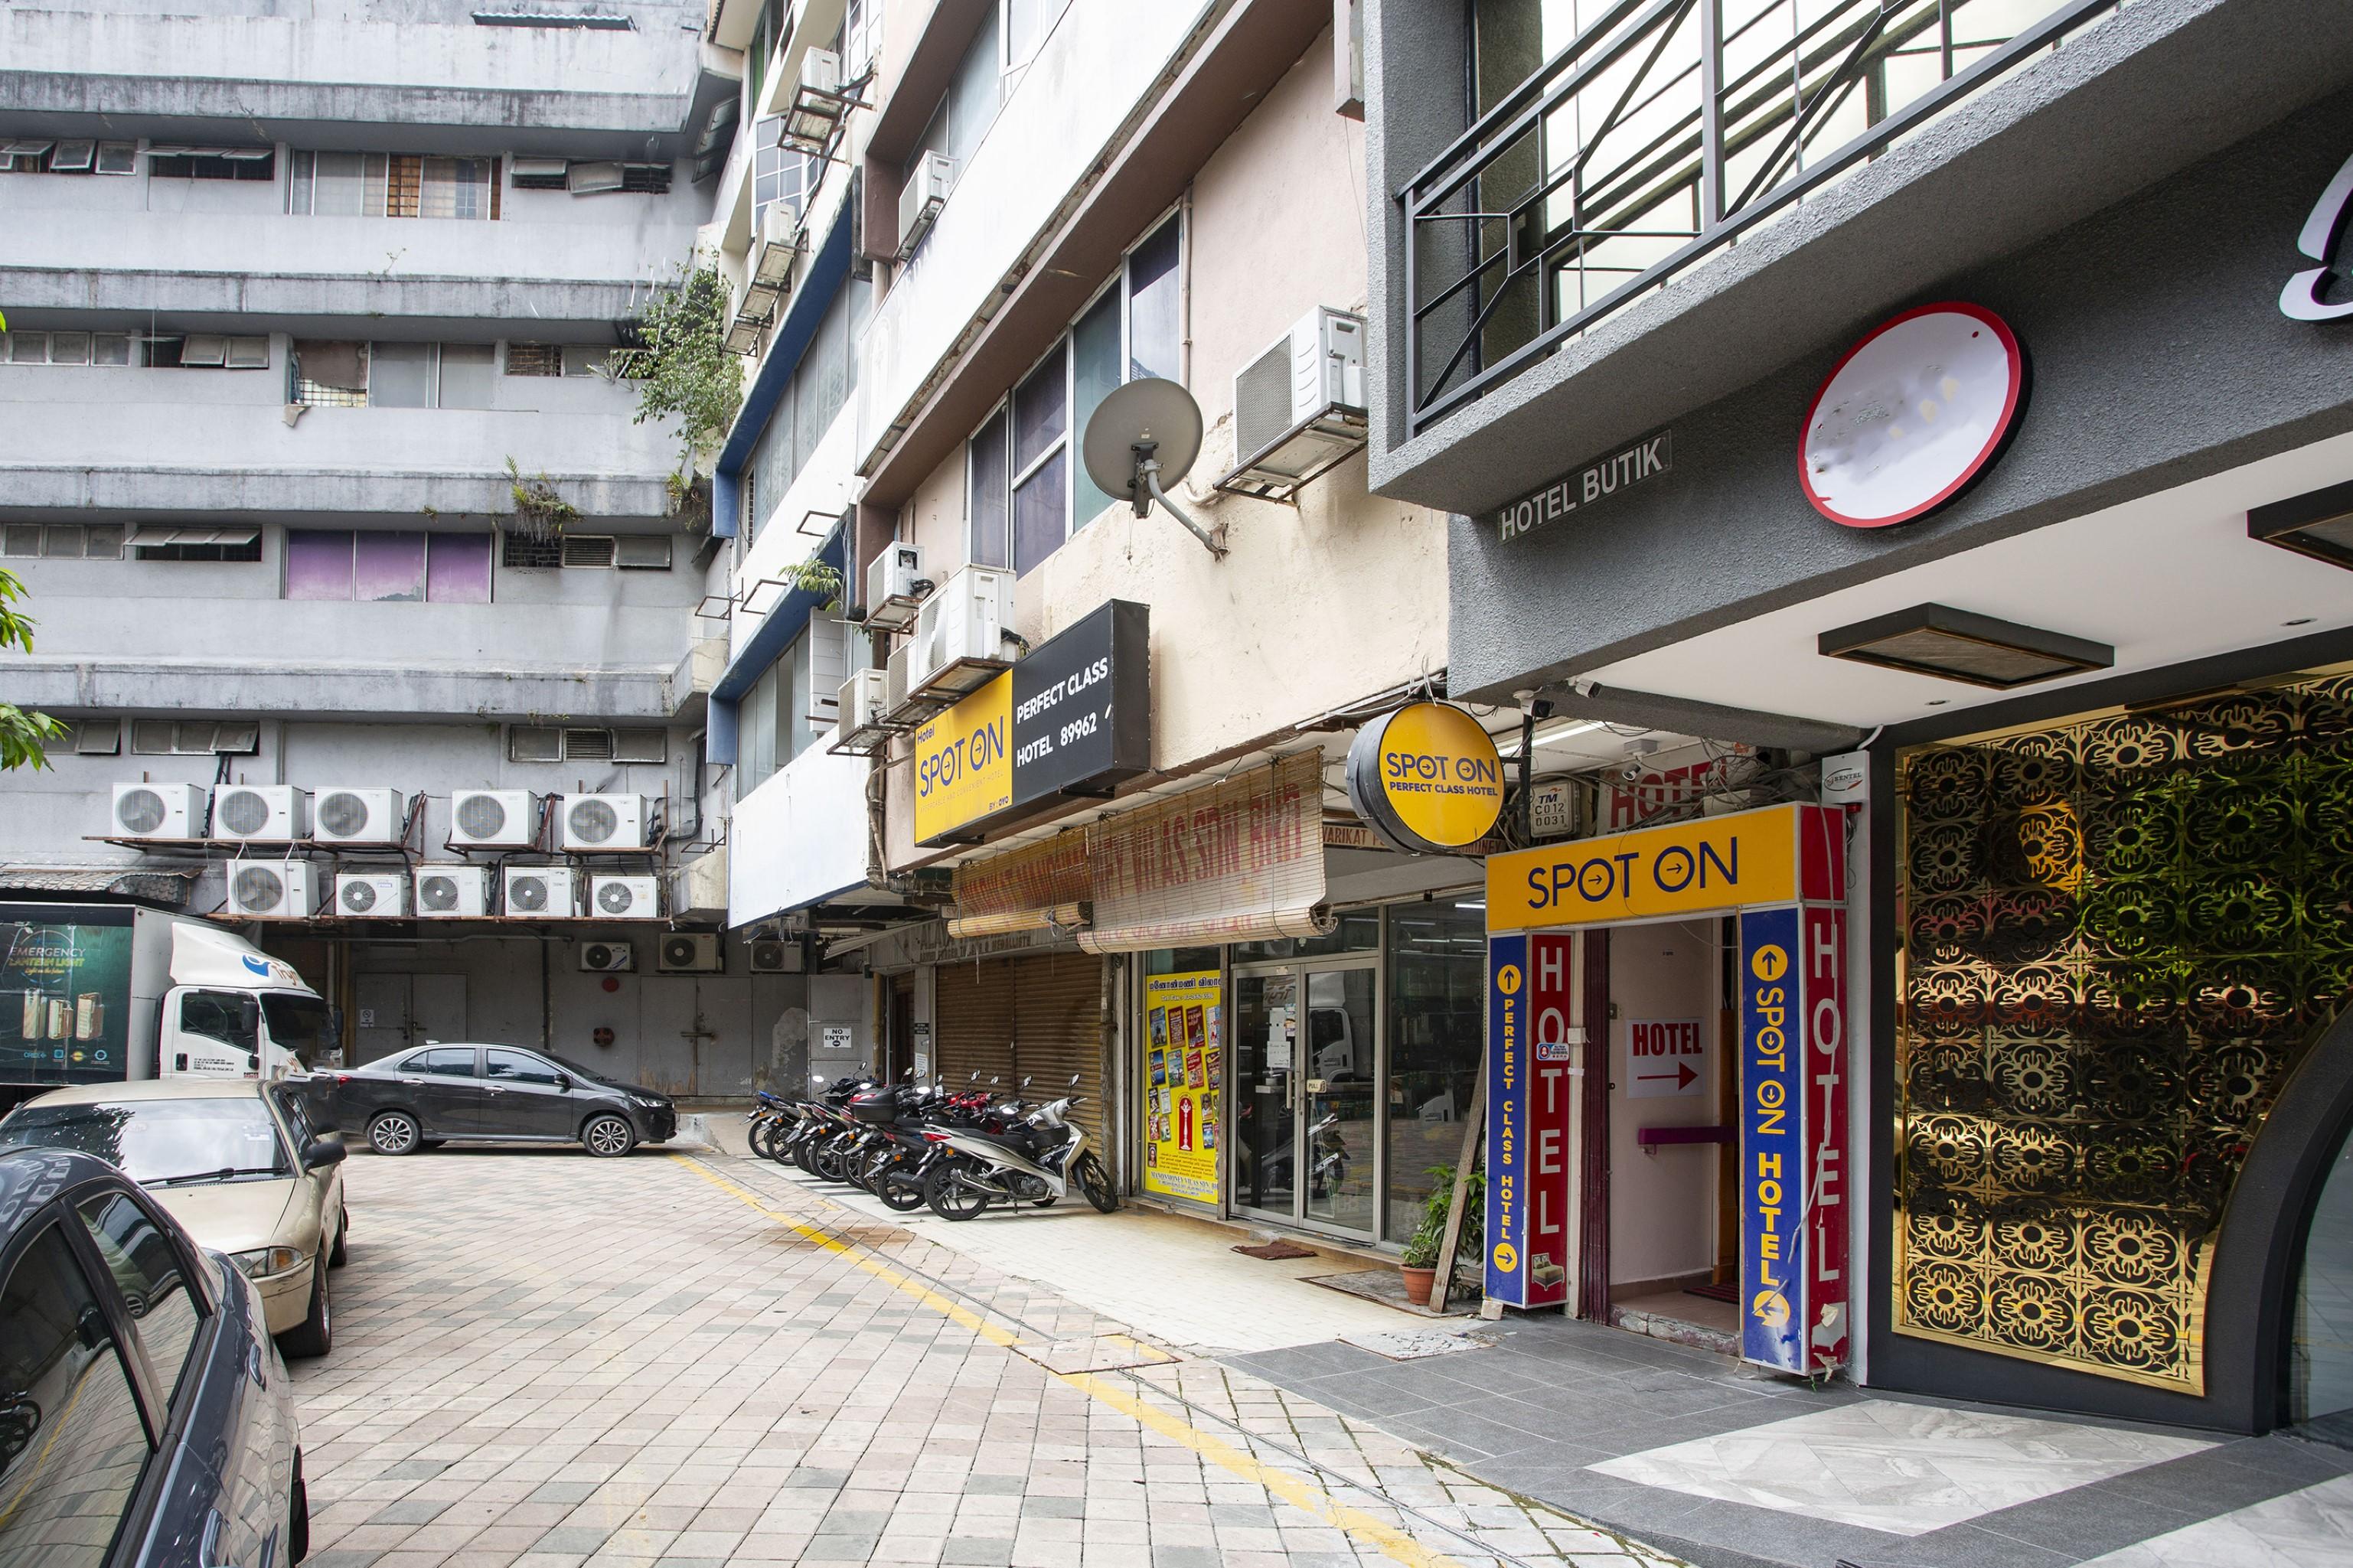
(105, 993)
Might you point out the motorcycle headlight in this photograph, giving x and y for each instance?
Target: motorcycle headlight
(264, 1261)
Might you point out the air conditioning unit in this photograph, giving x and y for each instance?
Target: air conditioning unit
(895, 587)
(453, 892)
(608, 821)
(821, 72)
(921, 198)
(607, 957)
(780, 238)
(625, 898)
(372, 894)
(775, 957)
(1299, 407)
(960, 632)
(272, 813)
(368, 815)
(894, 677)
(860, 721)
(272, 890)
(688, 952)
(494, 818)
(543, 893)
(160, 810)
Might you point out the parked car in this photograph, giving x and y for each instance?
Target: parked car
(238, 1162)
(440, 1092)
(145, 1418)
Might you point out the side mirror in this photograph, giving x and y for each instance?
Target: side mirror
(323, 1152)
(1074, 1080)
(564, 1083)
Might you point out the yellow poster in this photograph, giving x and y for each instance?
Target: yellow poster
(1183, 1084)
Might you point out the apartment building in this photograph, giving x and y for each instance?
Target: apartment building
(1940, 415)
(346, 550)
(1019, 217)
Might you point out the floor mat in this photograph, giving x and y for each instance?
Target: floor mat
(1273, 1251)
(1713, 1292)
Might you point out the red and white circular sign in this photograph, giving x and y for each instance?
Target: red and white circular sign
(1913, 413)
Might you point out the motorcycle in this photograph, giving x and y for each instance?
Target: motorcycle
(1037, 1160)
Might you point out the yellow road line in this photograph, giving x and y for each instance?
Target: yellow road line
(1302, 1494)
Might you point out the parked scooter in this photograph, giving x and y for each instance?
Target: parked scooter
(1037, 1160)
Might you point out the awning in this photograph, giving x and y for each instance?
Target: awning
(163, 887)
(1238, 861)
(1030, 888)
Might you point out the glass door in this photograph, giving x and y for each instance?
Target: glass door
(1265, 1048)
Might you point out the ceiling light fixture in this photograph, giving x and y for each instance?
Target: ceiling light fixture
(1958, 644)
(2319, 524)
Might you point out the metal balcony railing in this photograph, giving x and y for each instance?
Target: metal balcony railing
(1662, 130)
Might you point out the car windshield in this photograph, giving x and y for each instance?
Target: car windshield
(161, 1142)
(301, 1024)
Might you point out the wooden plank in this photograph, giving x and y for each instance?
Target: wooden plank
(1472, 1127)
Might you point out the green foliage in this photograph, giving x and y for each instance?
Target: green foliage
(1421, 1248)
(683, 369)
(814, 576)
(538, 509)
(23, 736)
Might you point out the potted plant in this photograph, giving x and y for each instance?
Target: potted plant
(1419, 1264)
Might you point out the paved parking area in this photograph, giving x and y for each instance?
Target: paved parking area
(544, 1360)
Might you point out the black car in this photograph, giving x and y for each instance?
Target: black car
(145, 1418)
(438, 1092)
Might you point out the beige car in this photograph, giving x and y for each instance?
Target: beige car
(237, 1161)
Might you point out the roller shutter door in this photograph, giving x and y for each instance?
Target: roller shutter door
(972, 1019)
(1058, 1031)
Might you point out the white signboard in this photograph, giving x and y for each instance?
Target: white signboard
(835, 1039)
(1664, 1056)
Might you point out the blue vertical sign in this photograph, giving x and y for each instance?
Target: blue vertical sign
(1772, 1146)
(1508, 1145)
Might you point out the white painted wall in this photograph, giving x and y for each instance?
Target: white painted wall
(799, 837)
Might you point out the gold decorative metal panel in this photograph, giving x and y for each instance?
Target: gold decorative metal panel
(2116, 937)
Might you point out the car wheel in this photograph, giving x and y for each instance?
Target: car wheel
(336, 1258)
(314, 1335)
(394, 1132)
(609, 1137)
(298, 1518)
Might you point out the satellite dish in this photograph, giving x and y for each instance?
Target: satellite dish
(1142, 433)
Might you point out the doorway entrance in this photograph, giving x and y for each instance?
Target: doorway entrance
(1306, 1059)
(394, 1011)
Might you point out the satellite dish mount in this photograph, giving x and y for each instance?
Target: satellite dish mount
(1139, 433)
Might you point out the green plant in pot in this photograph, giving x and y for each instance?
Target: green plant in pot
(1419, 1264)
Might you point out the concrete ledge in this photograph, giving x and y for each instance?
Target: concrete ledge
(340, 690)
(546, 303)
(29, 488)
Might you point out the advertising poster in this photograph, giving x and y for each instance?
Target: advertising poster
(1772, 1144)
(1183, 1084)
(65, 1003)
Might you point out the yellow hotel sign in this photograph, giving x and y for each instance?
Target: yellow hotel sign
(963, 761)
(1779, 855)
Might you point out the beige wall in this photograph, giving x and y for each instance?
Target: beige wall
(1316, 606)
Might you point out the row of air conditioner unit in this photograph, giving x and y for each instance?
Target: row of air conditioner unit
(688, 952)
(479, 818)
(292, 889)
(958, 638)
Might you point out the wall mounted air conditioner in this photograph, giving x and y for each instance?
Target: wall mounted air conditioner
(921, 198)
(1299, 407)
(860, 721)
(625, 898)
(688, 952)
(607, 957)
(494, 818)
(895, 587)
(607, 821)
(775, 957)
(960, 632)
(821, 72)
(453, 892)
(894, 677)
(546, 892)
(160, 810)
(372, 894)
(779, 243)
(369, 815)
(272, 890)
(271, 814)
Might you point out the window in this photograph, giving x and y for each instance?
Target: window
(779, 174)
(588, 745)
(329, 374)
(820, 387)
(587, 550)
(35, 156)
(1026, 24)
(513, 1067)
(165, 541)
(535, 743)
(194, 737)
(148, 1271)
(212, 163)
(58, 1357)
(93, 737)
(641, 745)
(969, 106)
(588, 359)
(1026, 491)
(394, 567)
(104, 349)
(534, 359)
(641, 552)
(546, 743)
(523, 551)
(443, 1061)
(776, 720)
(392, 184)
(431, 375)
(222, 1016)
(207, 351)
(63, 541)
(767, 33)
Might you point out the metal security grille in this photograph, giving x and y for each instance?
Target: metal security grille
(1038, 1017)
(1658, 133)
